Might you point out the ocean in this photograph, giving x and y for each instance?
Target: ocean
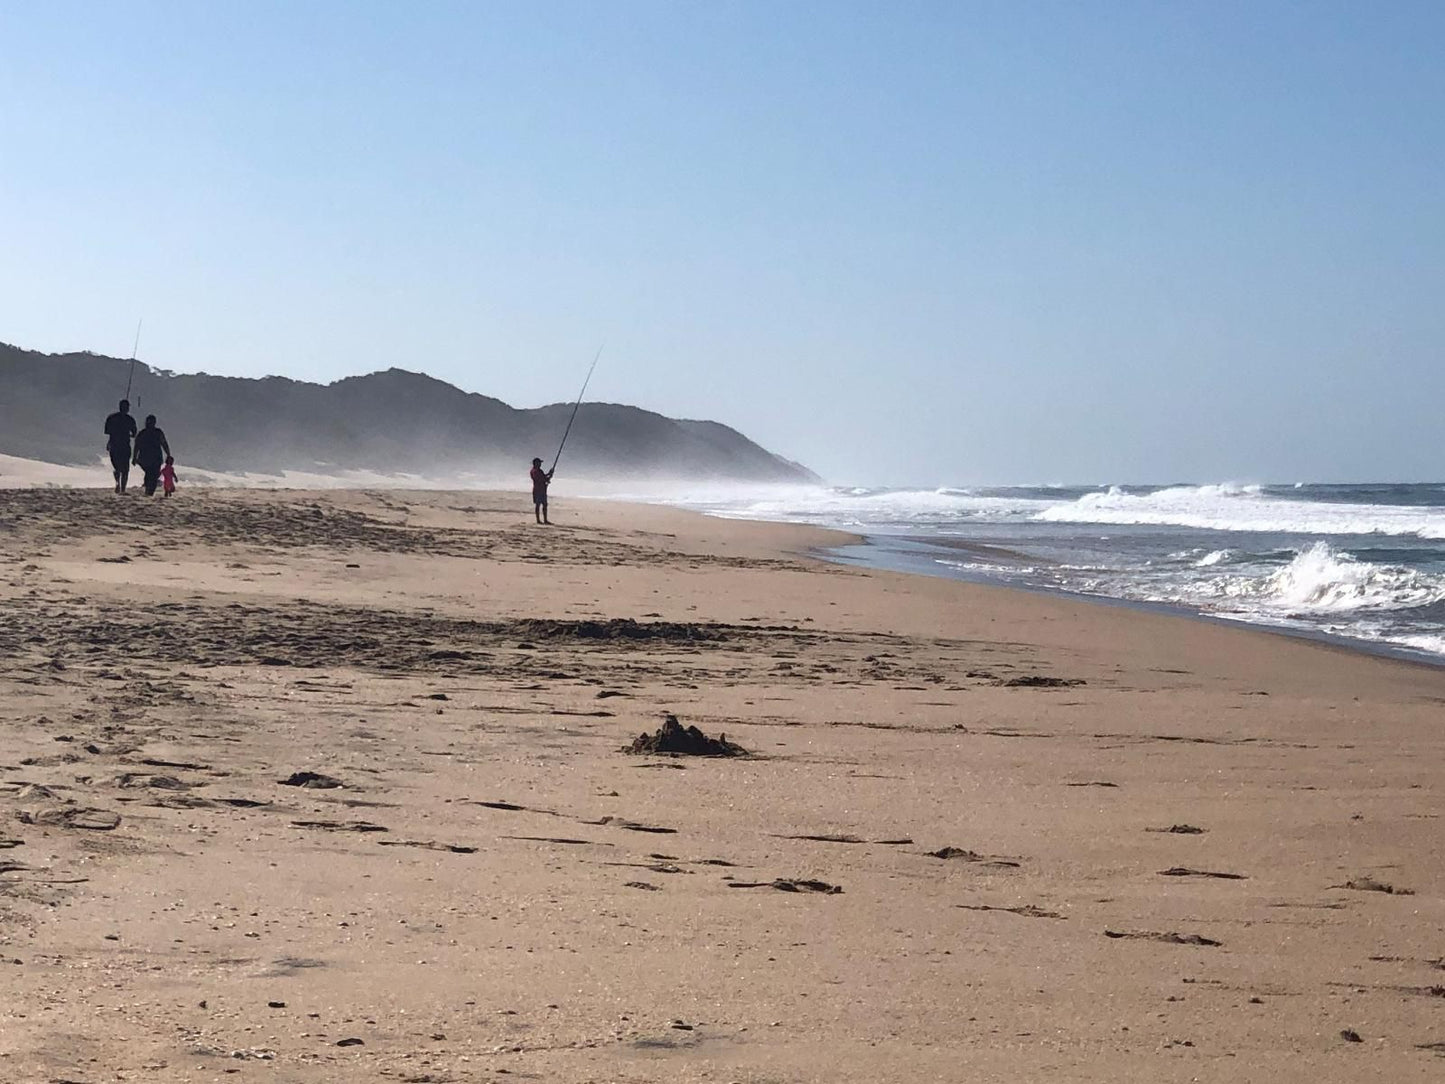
(1363, 563)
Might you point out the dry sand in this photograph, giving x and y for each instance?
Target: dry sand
(1069, 841)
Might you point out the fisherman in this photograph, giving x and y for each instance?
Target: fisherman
(119, 431)
(541, 479)
(151, 452)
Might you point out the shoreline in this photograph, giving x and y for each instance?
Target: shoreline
(43, 476)
(340, 781)
(1378, 648)
(1356, 564)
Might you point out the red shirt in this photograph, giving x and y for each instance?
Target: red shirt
(539, 480)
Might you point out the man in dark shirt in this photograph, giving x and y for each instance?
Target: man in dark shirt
(119, 430)
(541, 479)
(151, 450)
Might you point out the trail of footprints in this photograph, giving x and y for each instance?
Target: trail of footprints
(47, 807)
(161, 782)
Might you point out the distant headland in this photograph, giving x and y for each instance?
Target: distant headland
(390, 422)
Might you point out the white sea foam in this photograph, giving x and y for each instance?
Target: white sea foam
(895, 509)
(1322, 580)
(1244, 508)
(1430, 643)
(987, 567)
(1213, 557)
(1312, 585)
(1221, 507)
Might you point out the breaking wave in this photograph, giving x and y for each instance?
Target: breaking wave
(858, 507)
(1309, 557)
(1323, 580)
(1245, 508)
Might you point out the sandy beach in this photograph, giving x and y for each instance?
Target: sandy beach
(331, 786)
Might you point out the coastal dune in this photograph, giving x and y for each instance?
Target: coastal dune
(319, 786)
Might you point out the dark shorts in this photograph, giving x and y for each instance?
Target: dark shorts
(539, 496)
(120, 459)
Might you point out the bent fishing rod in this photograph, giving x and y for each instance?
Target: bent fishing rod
(575, 407)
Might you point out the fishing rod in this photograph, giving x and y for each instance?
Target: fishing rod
(135, 349)
(575, 407)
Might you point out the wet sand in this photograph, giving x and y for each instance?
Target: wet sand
(331, 787)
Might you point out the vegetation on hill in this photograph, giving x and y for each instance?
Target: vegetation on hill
(393, 421)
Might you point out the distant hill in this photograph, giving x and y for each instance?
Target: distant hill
(53, 406)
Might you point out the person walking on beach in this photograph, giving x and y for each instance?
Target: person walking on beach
(119, 431)
(168, 477)
(151, 452)
(541, 479)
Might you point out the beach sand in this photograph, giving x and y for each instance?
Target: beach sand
(983, 835)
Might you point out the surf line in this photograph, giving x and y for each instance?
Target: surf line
(558, 458)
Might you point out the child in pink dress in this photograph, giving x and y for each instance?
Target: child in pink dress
(168, 476)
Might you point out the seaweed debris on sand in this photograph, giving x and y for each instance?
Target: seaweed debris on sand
(689, 741)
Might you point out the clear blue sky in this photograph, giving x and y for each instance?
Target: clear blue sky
(931, 243)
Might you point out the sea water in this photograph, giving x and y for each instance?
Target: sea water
(1361, 562)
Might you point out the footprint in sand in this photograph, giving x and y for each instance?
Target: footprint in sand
(92, 819)
(129, 780)
(286, 966)
(51, 761)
